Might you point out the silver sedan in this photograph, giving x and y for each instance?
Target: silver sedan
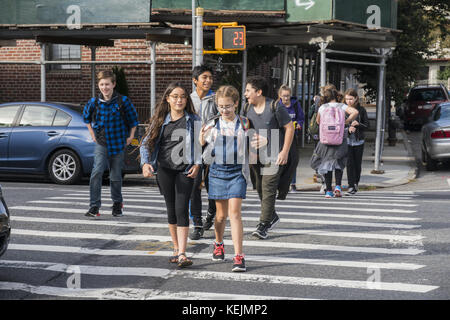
(436, 137)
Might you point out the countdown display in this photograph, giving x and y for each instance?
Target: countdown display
(230, 38)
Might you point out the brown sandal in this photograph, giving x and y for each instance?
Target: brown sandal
(183, 261)
(174, 258)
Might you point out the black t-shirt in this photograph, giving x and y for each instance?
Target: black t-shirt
(168, 157)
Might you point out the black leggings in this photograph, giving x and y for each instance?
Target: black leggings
(176, 189)
(329, 178)
(354, 161)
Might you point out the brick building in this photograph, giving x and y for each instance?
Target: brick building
(72, 83)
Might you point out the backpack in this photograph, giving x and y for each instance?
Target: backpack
(313, 125)
(121, 110)
(332, 123)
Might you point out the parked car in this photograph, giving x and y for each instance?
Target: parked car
(5, 228)
(50, 138)
(436, 137)
(421, 101)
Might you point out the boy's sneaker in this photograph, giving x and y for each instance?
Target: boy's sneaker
(351, 191)
(261, 231)
(293, 188)
(338, 191)
(197, 233)
(209, 220)
(219, 252)
(92, 212)
(323, 188)
(239, 264)
(117, 209)
(329, 194)
(274, 221)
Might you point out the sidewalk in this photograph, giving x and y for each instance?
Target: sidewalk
(397, 162)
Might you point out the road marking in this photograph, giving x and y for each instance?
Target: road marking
(390, 237)
(247, 243)
(125, 293)
(159, 198)
(207, 256)
(245, 202)
(222, 276)
(286, 220)
(244, 205)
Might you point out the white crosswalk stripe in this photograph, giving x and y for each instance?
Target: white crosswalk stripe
(313, 232)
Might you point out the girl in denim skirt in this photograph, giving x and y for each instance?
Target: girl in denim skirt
(225, 137)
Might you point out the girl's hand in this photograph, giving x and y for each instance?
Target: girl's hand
(147, 170)
(193, 171)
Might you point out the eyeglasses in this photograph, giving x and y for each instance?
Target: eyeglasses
(228, 107)
(176, 97)
(285, 97)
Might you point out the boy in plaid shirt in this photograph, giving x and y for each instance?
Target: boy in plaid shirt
(112, 121)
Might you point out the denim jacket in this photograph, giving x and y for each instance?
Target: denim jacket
(193, 154)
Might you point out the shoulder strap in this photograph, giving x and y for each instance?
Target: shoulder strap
(245, 109)
(244, 123)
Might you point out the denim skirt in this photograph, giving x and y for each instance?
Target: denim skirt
(226, 182)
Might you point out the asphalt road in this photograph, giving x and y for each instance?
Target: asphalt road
(383, 244)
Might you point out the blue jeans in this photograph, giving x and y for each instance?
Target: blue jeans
(101, 162)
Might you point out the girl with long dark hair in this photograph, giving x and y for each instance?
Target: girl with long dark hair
(171, 150)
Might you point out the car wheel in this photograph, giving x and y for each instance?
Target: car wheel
(430, 164)
(64, 167)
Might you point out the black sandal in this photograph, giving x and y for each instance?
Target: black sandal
(174, 258)
(183, 261)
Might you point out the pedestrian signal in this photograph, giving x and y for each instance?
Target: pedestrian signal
(230, 38)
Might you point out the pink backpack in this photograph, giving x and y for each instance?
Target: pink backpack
(332, 122)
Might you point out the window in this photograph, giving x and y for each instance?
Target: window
(37, 116)
(62, 119)
(427, 95)
(64, 52)
(7, 115)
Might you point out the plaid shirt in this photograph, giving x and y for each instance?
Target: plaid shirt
(109, 118)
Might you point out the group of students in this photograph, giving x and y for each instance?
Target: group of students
(329, 158)
(228, 150)
(200, 137)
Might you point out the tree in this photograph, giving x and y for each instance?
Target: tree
(445, 74)
(422, 23)
(121, 81)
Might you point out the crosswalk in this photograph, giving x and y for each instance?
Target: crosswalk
(368, 245)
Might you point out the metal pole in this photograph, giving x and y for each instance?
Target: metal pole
(244, 75)
(303, 92)
(296, 72)
(194, 30)
(153, 78)
(380, 111)
(284, 71)
(323, 63)
(308, 104)
(199, 36)
(42, 62)
(93, 82)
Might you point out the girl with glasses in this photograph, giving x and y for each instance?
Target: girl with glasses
(225, 137)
